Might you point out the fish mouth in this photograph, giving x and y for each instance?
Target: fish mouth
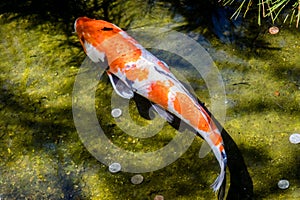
(82, 19)
(75, 23)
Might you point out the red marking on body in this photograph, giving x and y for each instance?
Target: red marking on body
(133, 73)
(215, 138)
(221, 148)
(158, 92)
(121, 49)
(162, 65)
(117, 61)
(107, 38)
(185, 106)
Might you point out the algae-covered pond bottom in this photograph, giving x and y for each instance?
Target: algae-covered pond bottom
(43, 157)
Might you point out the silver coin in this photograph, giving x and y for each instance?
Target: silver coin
(283, 184)
(114, 167)
(137, 179)
(116, 112)
(295, 138)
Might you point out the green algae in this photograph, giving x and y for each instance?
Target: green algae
(42, 156)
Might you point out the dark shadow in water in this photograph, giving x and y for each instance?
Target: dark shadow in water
(62, 13)
(288, 171)
(269, 101)
(212, 18)
(209, 15)
(45, 131)
(215, 20)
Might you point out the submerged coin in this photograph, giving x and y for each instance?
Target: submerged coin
(283, 184)
(274, 30)
(159, 197)
(114, 167)
(137, 179)
(116, 112)
(295, 138)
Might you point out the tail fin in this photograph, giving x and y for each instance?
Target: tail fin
(220, 179)
(218, 149)
(220, 182)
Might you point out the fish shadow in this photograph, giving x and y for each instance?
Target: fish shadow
(241, 185)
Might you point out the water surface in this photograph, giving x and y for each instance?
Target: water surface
(42, 156)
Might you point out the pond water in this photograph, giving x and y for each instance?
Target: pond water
(43, 156)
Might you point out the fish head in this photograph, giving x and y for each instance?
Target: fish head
(94, 31)
(103, 40)
(92, 34)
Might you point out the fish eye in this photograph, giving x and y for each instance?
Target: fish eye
(106, 29)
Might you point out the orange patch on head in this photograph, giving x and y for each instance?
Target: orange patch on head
(94, 31)
(158, 92)
(109, 39)
(186, 107)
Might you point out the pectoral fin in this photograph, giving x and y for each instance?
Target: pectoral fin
(204, 149)
(163, 113)
(120, 87)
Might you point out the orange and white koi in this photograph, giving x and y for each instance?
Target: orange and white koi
(133, 69)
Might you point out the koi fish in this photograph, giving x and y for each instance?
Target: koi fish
(133, 69)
